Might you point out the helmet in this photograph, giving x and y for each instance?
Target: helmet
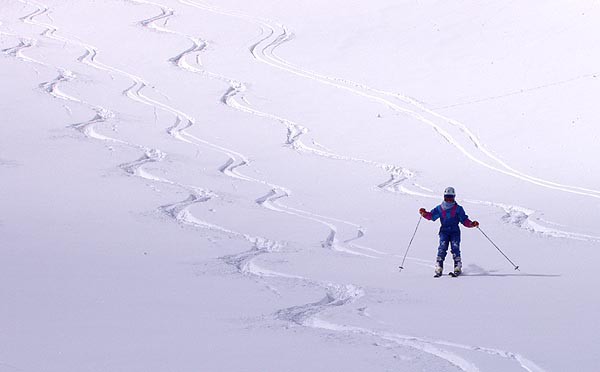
(449, 191)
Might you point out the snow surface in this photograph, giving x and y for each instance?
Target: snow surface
(231, 186)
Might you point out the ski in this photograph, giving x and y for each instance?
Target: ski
(437, 275)
(454, 274)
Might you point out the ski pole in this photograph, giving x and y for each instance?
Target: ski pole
(499, 250)
(409, 244)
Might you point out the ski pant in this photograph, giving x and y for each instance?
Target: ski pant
(452, 239)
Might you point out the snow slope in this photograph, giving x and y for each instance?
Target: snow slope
(231, 186)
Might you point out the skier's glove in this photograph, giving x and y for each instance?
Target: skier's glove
(422, 211)
(475, 224)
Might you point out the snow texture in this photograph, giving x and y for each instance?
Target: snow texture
(231, 186)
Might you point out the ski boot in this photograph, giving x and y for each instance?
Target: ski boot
(457, 267)
(439, 268)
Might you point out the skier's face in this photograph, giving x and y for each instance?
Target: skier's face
(448, 198)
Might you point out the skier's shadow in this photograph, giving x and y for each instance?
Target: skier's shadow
(474, 270)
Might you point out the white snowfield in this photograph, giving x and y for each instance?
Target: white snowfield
(231, 186)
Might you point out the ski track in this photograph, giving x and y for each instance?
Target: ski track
(235, 159)
(398, 175)
(525, 219)
(433, 347)
(17, 50)
(295, 131)
(304, 315)
(134, 168)
(244, 261)
(277, 34)
(87, 127)
(336, 295)
(268, 56)
(341, 295)
(52, 87)
(178, 211)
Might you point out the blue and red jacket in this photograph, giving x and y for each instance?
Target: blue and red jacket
(449, 217)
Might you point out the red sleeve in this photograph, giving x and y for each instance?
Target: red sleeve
(427, 216)
(468, 223)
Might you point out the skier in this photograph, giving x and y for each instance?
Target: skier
(450, 214)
